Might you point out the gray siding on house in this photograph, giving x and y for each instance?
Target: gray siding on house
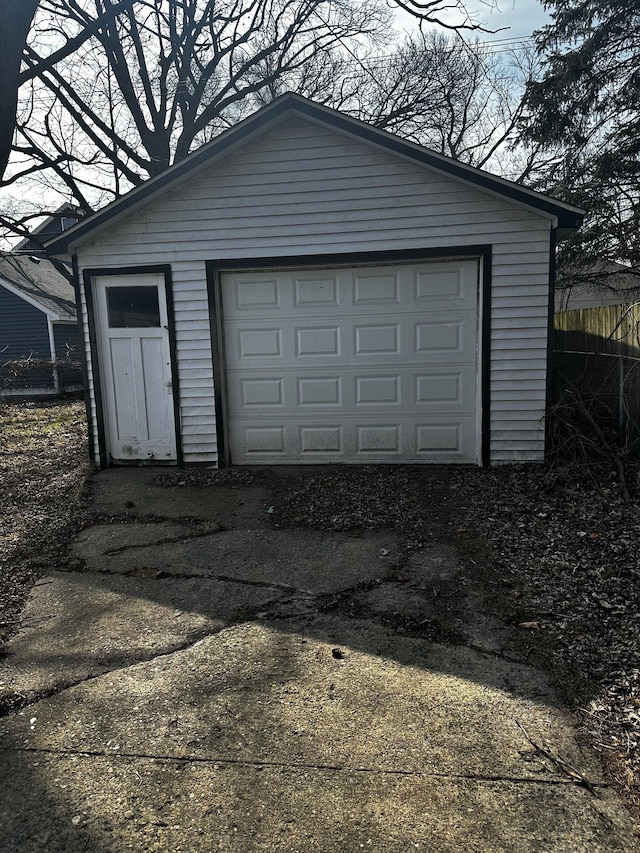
(24, 329)
(303, 190)
(66, 339)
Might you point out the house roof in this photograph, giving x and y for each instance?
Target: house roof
(38, 282)
(66, 215)
(603, 283)
(284, 107)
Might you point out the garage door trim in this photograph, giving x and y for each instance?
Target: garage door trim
(216, 269)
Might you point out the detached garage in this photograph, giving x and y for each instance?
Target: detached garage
(309, 289)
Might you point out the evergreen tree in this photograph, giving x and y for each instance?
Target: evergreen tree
(588, 101)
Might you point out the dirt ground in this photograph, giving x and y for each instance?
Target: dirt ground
(555, 551)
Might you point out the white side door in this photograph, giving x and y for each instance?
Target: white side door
(135, 367)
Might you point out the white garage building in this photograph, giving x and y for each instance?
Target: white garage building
(309, 289)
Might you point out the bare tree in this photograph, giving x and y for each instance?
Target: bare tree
(115, 91)
(16, 17)
(436, 89)
(15, 20)
(456, 97)
(159, 78)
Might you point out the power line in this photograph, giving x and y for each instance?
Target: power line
(506, 39)
(495, 46)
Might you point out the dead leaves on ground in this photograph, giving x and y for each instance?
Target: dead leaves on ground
(43, 464)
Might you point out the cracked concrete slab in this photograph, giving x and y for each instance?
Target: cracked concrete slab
(113, 538)
(130, 491)
(306, 560)
(258, 693)
(228, 692)
(266, 731)
(107, 804)
(79, 625)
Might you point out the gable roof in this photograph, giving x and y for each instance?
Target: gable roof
(290, 104)
(38, 282)
(64, 217)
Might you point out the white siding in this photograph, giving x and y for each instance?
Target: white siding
(305, 190)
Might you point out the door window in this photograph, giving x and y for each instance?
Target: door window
(133, 307)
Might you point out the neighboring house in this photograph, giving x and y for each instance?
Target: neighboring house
(309, 289)
(37, 322)
(609, 284)
(64, 217)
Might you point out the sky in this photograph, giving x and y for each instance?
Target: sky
(521, 17)
(513, 18)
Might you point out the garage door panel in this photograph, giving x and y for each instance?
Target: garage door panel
(353, 440)
(376, 339)
(439, 438)
(377, 390)
(262, 443)
(376, 288)
(263, 292)
(406, 391)
(378, 438)
(314, 341)
(444, 283)
(453, 285)
(315, 291)
(259, 343)
(445, 338)
(435, 337)
(352, 365)
(319, 391)
(450, 389)
(437, 287)
(401, 337)
(321, 439)
(262, 391)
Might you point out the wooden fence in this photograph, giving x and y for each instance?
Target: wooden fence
(596, 353)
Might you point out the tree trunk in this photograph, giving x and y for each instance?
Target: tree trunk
(15, 19)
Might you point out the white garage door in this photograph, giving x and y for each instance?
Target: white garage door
(367, 364)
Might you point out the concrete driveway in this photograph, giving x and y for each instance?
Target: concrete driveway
(195, 680)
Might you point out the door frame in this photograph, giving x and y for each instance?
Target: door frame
(88, 277)
(215, 270)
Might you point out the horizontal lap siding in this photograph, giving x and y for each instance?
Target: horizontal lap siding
(304, 190)
(520, 300)
(67, 341)
(24, 330)
(193, 343)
